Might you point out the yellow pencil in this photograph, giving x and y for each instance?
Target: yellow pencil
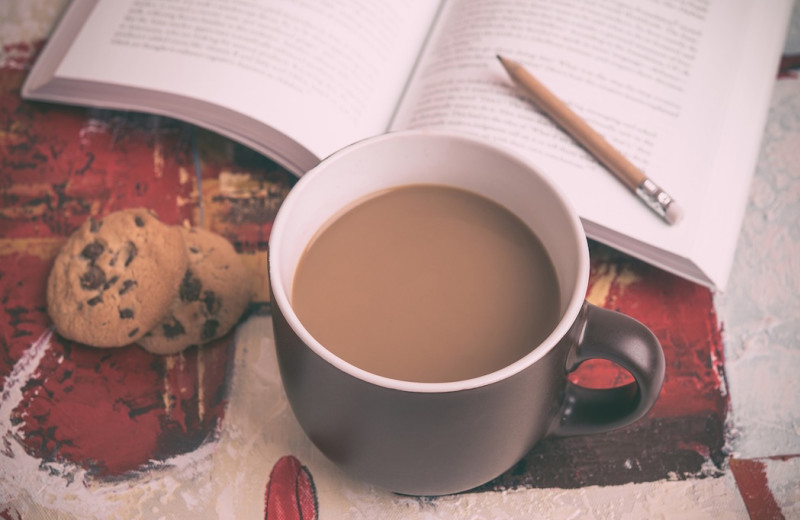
(656, 198)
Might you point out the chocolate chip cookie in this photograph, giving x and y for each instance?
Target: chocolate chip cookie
(212, 296)
(115, 278)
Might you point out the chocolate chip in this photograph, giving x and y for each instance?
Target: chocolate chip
(92, 279)
(133, 332)
(93, 250)
(190, 288)
(131, 253)
(126, 314)
(173, 329)
(110, 282)
(139, 221)
(193, 249)
(94, 225)
(209, 298)
(126, 286)
(210, 329)
(94, 301)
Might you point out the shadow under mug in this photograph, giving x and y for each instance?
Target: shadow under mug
(440, 438)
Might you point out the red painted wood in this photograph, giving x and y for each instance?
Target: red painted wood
(751, 478)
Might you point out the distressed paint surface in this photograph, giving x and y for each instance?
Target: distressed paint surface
(761, 309)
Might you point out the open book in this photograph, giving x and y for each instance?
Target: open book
(682, 87)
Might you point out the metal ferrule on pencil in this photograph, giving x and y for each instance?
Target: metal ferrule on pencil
(658, 199)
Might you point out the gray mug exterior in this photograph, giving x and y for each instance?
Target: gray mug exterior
(419, 443)
(432, 439)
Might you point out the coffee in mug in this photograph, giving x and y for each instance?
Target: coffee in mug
(427, 283)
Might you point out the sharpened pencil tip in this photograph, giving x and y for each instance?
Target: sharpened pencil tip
(507, 64)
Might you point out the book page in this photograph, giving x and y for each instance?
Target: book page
(325, 73)
(654, 77)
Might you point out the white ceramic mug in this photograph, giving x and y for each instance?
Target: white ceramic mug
(439, 438)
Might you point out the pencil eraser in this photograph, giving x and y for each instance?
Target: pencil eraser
(674, 213)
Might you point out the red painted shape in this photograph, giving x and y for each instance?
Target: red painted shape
(681, 315)
(751, 478)
(96, 408)
(114, 411)
(22, 309)
(61, 165)
(290, 493)
(9, 514)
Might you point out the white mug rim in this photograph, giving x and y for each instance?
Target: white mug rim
(281, 297)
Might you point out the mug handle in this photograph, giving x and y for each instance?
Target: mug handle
(610, 335)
